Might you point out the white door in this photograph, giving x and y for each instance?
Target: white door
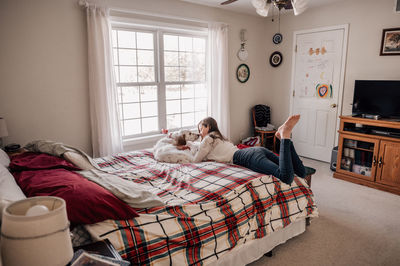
(317, 83)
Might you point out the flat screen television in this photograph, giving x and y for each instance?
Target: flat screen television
(377, 97)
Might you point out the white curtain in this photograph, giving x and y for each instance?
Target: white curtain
(219, 83)
(106, 132)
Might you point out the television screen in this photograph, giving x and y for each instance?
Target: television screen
(377, 97)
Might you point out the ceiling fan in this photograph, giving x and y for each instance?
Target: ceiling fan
(264, 6)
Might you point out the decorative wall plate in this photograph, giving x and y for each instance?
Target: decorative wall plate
(275, 59)
(277, 39)
(242, 73)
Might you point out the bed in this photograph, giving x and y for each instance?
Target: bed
(214, 213)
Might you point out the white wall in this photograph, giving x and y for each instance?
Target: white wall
(366, 19)
(43, 72)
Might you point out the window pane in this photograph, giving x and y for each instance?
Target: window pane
(149, 109)
(144, 40)
(132, 127)
(171, 73)
(121, 113)
(199, 45)
(131, 110)
(200, 90)
(185, 44)
(171, 59)
(173, 92)
(127, 57)
(187, 105)
(115, 56)
(198, 116)
(199, 60)
(200, 104)
(148, 93)
(145, 57)
(126, 39)
(186, 59)
(130, 94)
(146, 74)
(149, 124)
(116, 73)
(199, 74)
(173, 107)
(188, 120)
(170, 42)
(173, 121)
(186, 73)
(114, 38)
(188, 91)
(128, 74)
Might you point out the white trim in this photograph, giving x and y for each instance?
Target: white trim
(153, 14)
(150, 24)
(345, 28)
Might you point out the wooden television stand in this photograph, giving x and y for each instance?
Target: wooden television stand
(369, 153)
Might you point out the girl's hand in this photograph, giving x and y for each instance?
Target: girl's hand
(184, 147)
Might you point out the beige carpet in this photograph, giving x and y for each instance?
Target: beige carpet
(357, 225)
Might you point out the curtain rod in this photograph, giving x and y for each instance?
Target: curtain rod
(86, 3)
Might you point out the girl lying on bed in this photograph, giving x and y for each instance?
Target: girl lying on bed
(214, 146)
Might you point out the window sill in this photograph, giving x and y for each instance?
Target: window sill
(145, 142)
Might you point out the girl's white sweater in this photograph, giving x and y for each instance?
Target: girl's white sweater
(215, 150)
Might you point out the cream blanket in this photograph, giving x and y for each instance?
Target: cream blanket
(135, 195)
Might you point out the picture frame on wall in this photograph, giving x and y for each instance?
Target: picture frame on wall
(390, 42)
(243, 73)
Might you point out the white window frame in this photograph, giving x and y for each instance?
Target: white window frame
(158, 31)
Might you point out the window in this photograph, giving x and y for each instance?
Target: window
(161, 79)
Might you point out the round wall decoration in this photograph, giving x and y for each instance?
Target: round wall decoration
(242, 73)
(275, 59)
(277, 39)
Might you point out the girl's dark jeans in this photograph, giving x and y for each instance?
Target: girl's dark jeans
(262, 160)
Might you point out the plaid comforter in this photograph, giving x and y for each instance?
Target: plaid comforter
(210, 209)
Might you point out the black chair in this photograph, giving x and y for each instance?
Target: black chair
(261, 118)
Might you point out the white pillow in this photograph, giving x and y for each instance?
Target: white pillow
(9, 189)
(4, 159)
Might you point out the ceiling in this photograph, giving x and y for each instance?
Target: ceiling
(245, 6)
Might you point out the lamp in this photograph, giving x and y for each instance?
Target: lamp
(3, 130)
(35, 231)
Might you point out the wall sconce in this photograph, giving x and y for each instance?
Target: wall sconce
(35, 231)
(242, 53)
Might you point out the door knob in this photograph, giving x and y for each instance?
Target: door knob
(333, 105)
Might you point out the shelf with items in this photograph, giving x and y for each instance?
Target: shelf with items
(357, 156)
(368, 158)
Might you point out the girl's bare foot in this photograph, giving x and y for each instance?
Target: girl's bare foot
(277, 133)
(285, 130)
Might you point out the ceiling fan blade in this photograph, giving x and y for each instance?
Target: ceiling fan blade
(228, 2)
(299, 6)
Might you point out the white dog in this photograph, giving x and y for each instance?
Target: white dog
(166, 150)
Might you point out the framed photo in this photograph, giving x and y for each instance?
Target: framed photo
(390, 42)
(243, 73)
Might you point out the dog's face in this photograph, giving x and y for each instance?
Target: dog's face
(187, 135)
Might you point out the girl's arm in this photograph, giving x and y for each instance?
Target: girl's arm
(204, 149)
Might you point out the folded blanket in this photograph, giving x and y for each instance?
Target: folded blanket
(133, 194)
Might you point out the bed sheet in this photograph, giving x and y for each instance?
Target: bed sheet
(211, 208)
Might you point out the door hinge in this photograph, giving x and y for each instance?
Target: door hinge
(295, 49)
(294, 92)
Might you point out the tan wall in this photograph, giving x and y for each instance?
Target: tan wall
(43, 66)
(43, 61)
(366, 19)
